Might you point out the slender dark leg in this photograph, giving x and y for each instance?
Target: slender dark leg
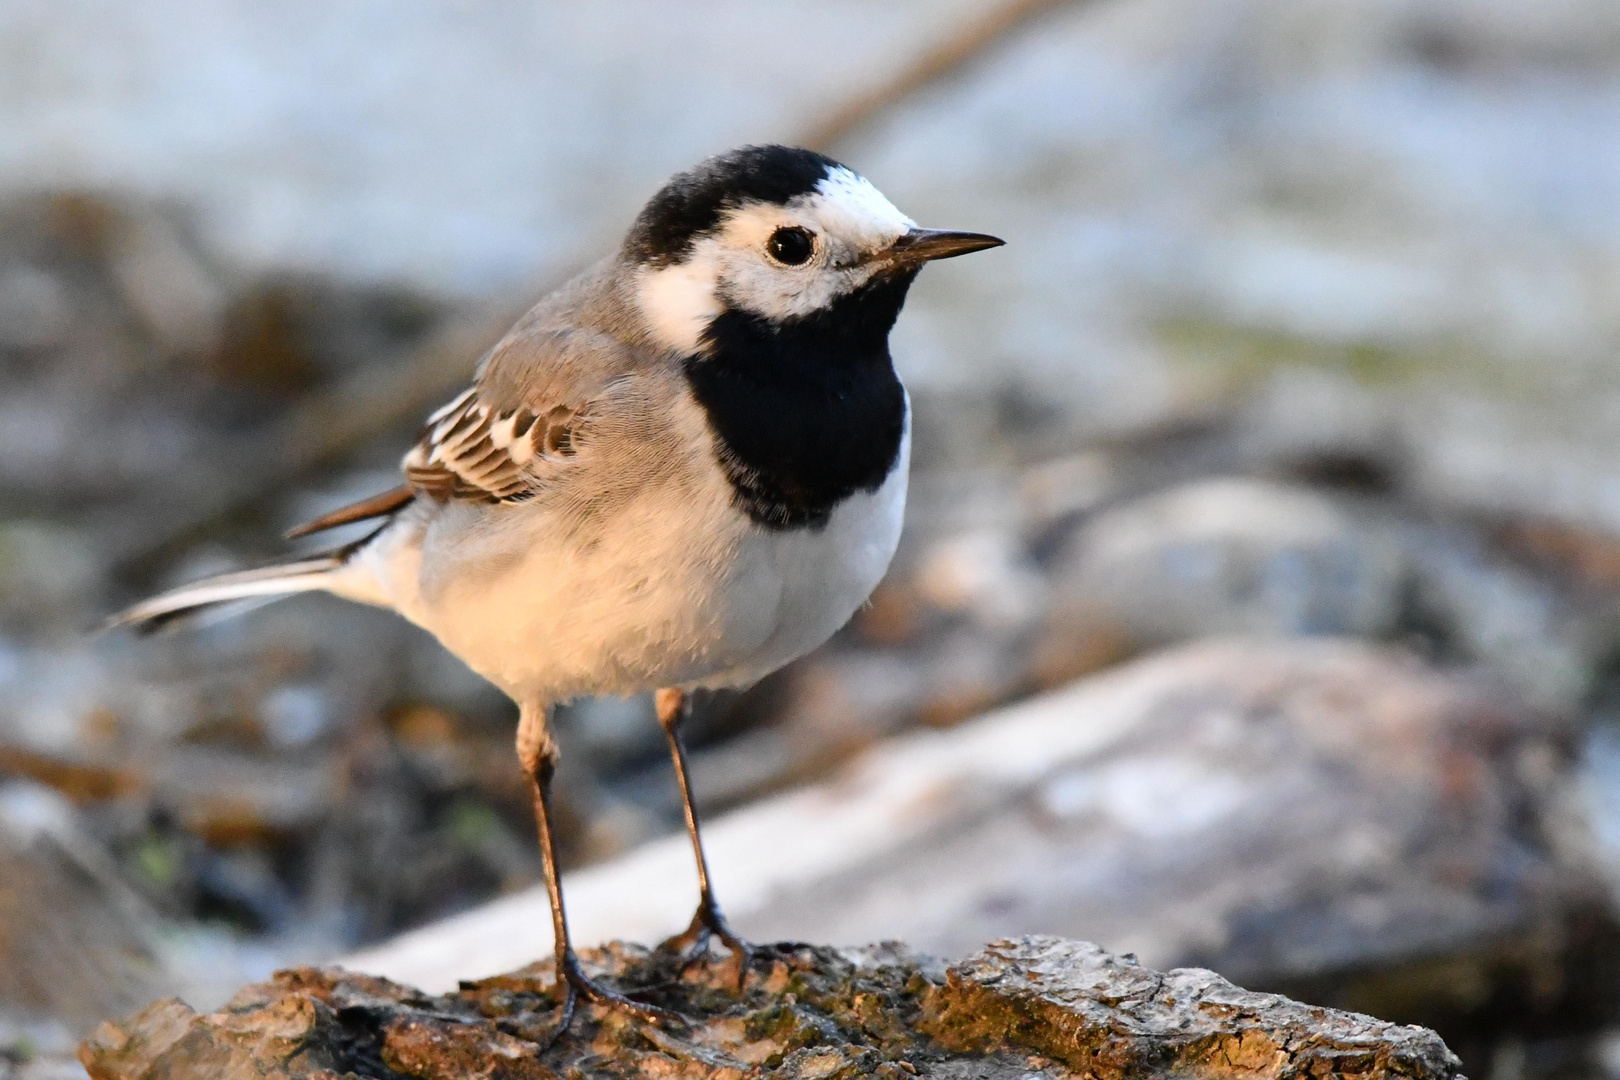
(708, 921)
(538, 753)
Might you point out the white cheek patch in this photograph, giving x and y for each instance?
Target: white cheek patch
(679, 301)
(851, 220)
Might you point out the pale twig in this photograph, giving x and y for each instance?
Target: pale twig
(969, 41)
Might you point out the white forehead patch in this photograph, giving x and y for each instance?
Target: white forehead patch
(846, 205)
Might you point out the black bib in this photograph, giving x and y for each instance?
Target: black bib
(807, 411)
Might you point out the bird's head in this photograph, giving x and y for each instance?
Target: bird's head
(777, 233)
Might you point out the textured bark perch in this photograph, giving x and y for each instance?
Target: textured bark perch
(1036, 1005)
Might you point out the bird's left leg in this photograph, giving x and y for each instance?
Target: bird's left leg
(708, 921)
(538, 752)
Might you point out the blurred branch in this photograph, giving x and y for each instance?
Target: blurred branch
(314, 432)
(322, 428)
(968, 42)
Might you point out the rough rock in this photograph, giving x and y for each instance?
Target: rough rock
(1032, 1007)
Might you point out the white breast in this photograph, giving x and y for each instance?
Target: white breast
(818, 579)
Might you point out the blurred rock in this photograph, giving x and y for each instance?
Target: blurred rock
(834, 708)
(985, 574)
(612, 732)
(51, 579)
(162, 276)
(831, 706)
(76, 944)
(135, 359)
(83, 782)
(34, 308)
(1061, 487)
(228, 799)
(1322, 424)
(265, 348)
(37, 1049)
(1531, 456)
(1481, 608)
(1223, 556)
(1036, 1007)
(295, 716)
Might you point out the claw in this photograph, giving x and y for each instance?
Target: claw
(598, 994)
(570, 996)
(692, 944)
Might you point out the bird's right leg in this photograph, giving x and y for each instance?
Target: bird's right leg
(673, 706)
(538, 753)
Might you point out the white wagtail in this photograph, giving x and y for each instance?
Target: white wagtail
(682, 469)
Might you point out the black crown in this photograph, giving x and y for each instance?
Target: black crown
(692, 203)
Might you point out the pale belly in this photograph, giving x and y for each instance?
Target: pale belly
(818, 579)
(677, 589)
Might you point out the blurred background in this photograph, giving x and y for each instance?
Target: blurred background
(1281, 442)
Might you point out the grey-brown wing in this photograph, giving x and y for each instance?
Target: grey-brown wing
(527, 421)
(475, 449)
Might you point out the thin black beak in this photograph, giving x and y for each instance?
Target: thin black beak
(925, 245)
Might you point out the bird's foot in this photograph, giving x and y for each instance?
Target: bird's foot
(565, 1016)
(692, 944)
(576, 984)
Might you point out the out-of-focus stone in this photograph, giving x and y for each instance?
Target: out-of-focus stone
(1315, 422)
(163, 279)
(837, 706)
(227, 798)
(81, 781)
(985, 574)
(1060, 487)
(50, 579)
(36, 1048)
(1230, 556)
(265, 345)
(75, 943)
(1483, 609)
(34, 308)
(612, 731)
(1037, 1007)
(1586, 557)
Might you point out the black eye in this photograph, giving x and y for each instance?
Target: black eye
(791, 245)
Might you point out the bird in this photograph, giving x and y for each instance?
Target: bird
(681, 470)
